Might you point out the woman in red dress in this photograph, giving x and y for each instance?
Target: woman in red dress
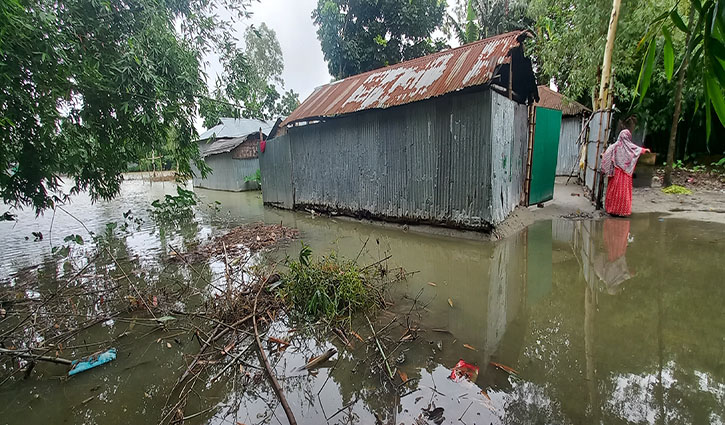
(618, 164)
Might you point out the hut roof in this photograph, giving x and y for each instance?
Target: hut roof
(218, 146)
(470, 65)
(236, 127)
(548, 98)
(230, 133)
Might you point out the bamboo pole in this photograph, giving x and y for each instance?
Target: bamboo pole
(608, 49)
(33, 357)
(268, 367)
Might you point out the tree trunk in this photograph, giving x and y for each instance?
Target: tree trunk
(678, 103)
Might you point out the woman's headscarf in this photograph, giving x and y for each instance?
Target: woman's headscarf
(622, 154)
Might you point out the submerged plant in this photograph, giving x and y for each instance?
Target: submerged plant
(329, 287)
(174, 209)
(256, 177)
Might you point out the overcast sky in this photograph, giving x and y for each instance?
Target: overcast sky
(304, 66)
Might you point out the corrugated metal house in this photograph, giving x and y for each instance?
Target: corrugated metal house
(573, 116)
(440, 140)
(230, 149)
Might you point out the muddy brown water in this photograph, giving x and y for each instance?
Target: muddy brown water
(607, 321)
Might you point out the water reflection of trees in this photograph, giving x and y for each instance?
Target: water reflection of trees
(609, 333)
(638, 351)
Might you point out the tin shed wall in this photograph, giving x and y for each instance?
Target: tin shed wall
(427, 162)
(509, 136)
(228, 173)
(568, 157)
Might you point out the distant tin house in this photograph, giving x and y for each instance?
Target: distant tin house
(573, 117)
(441, 139)
(230, 149)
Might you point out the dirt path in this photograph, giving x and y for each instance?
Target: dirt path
(706, 203)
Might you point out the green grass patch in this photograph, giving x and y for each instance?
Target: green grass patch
(330, 287)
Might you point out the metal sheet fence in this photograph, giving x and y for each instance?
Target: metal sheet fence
(228, 173)
(276, 165)
(569, 147)
(508, 155)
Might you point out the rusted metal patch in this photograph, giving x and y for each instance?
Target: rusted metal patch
(470, 65)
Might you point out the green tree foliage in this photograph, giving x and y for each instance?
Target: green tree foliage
(360, 35)
(289, 102)
(703, 60)
(492, 17)
(571, 37)
(706, 52)
(265, 53)
(248, 85)
(468, 32)
(559, 25)
(88, 86)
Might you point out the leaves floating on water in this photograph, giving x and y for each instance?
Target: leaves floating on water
(675, 189)
(450, 302)
(432, 284)
(504, 368)
(316, 361)
(228, 348)
(435, 415)
(356, 335)
(470, 347)
(281, 344)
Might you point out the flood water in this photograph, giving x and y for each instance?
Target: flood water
(607, 321)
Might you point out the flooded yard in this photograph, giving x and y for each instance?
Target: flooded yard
(569, 321)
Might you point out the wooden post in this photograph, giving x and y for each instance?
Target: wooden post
(607, 64)
(530, 156)
(511, 77)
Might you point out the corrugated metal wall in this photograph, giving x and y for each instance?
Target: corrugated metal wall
(228, 173)
(276, 166)
(428, 161)
(508, 155)
(568, 159)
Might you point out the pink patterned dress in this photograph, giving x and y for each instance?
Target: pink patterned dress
(618, 163)
(619, 194)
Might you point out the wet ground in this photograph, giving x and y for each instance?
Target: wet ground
(606, 321)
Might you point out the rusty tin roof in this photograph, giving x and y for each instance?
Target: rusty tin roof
(429, 76)
(548, 98)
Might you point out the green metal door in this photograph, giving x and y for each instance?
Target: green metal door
(546, 148)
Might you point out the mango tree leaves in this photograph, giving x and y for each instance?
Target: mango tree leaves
(88, 87)
(347, 31)
(78, 239)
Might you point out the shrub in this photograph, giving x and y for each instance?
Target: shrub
(328, 287)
